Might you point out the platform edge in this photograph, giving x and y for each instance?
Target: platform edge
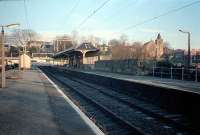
(94, 128)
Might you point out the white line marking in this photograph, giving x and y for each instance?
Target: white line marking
(94, 128)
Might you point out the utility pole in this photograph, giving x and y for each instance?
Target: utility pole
(189, 55)
(3, 76)
(19, 65)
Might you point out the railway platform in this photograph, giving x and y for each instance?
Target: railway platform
(32, 105)
(189, 86)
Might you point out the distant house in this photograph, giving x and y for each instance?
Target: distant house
(46, 47)
(195, 56)
(35, 44)
(44, 51)
(62, 43)
(6, 47)
(153, 49)
(179, 57)
(9, 43)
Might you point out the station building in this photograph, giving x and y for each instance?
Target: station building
(153, 49)
(82, 56)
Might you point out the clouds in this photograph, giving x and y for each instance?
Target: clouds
(49, 36)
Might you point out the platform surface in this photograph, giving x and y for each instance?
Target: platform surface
(30, 105)
(190, 86)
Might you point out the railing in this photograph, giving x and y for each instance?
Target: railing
(177, 73)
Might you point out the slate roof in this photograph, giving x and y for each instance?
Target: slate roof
(84, 46)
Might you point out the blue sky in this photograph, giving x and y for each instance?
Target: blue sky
(53, 17)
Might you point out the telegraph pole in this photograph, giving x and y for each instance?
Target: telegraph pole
(189, 55)
(3, 78)
(3, 75)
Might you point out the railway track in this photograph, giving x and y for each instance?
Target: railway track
(176, 120)
(114, 113)
(110, 123)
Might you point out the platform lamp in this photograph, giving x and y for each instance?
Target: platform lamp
(3, 76)
(189, 56)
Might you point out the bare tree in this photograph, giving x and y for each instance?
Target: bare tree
(114, 42)
(121, 52)
(94, 40)
(167, 47)
(24, 37)
(121, 49)
(118, 51)
(168, 51)
(116, 48)
(123, 39)
(136, 50)
(75, 37)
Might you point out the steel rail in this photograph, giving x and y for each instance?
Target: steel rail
(132, 128)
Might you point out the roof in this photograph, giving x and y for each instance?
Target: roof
(84, 46)
(159, 36)
(63, 38)
(149, 42)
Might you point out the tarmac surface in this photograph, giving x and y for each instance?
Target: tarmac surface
(30, 105)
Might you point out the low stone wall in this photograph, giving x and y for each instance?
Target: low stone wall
(128, 66)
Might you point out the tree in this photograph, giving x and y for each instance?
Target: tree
(122, 50)
(95, 40)
(168, 51)
(75, 37)
(118, 52)
(167, 48)
(32, 50)
(116, 49)
(14, 51)
(136, 50)
(126, 51)
(123, 39)
(23, 37)
(114, 42)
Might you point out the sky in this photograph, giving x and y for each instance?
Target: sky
(56, 17)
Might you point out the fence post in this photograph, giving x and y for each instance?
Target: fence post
(171, 73)
(196, 75)
(182, 73)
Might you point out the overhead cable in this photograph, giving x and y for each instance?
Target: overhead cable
(93, 13)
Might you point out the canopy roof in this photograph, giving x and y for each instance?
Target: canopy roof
(70, 51)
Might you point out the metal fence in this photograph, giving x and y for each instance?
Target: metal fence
(177, 73)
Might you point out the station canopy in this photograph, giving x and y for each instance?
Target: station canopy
(88, 47)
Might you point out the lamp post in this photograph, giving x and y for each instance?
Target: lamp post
(3, 77)
(189, 56)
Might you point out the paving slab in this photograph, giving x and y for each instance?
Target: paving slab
(30, 105)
